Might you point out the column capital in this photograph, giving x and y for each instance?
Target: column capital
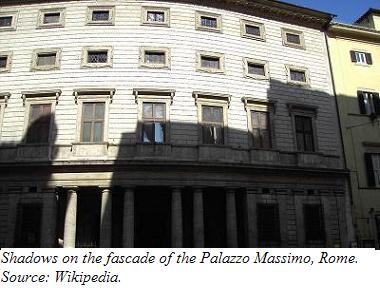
(105, 190)
(71, 188)
(176, 188)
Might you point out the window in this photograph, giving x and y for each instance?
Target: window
(268, 224)
(5, 61)
(314, 223)
(156, 16)
(39, 123)
(372, 161)
(361, 57)
(252, 30)
(153, 127)
(208, 22)
(256, 69)
(97, 57)
(8, 21)
(154, 57)
(28, 225)
(304, 133)
(261, 130)
(210, 62)
(51, 18)
(212, 125)
(93, 122)
(46, 59)
(293, 38)
(101, 15)
(369, 103)
(297, 75)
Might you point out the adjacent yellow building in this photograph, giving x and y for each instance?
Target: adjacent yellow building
(355, 60)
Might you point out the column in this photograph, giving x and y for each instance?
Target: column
(177, 229)
(70, 220)
(48, 227)
(198, 231)
(129, 218)
(231, 221)
(106, 219)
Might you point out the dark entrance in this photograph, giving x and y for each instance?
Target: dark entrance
(152, 217)
(28, 228)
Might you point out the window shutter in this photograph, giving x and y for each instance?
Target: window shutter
(353, 56)
(376, 102)
(361, 102)
(369, 58)
(369, 167)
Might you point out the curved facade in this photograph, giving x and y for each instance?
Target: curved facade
(156, 124)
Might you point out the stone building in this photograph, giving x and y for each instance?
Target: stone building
(356, 68)
(168, 124)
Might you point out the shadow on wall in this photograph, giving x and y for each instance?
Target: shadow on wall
(210, 155)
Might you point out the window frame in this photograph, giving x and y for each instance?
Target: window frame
(322, 220)
(213, 100)
(199, 68)
(247, 61)
(162, 96)
(93, 96)
(14, 16)
(289, 68)
(85, 50)
(8, 65)
(276, 206)
(285, 31)
(4, 96)
(244, 34)
(144, 15)
(41, 16)
(374, 102)
(55, 66)
(368, 57)
(198, 21)
(109, 22)
(142, 62)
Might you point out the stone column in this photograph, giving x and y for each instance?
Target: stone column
(231, 220)
(198, 231)
(129, 219)
(49, 217)
(106, 219)
(70, 220)
(177, 228)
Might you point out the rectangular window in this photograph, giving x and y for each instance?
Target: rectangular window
(3, 61)
(252, 30)
(210, 62)
(155, 16)
(97, 57)
(6, 21)
(369, 103)
(361, 57)
(208, 22)
(293, 38)
(256, 69)
(154, 57)
(51, 18)
(297, 76)
(28, 226)
(314, 223)
(212, 125)
(268, 224)
(153, 127)
(304, 133)
(372, 161)
(39, 123)
(261, 131)
(101, 15)
(46, 59)
(93, 122)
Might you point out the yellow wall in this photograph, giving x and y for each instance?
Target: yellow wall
(357, 129)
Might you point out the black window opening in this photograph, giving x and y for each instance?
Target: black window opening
(212, 125)
(261, 131)
(97, 56)
(52, 18)
(155, 57)
(46, 59)
(256, 69)
(210, 62)
(154, 126)
(6, 21)
(155, 16)
(3, 62)
(101, 15)
(253, 30)
(314, 224)
(28, 226)
(268, 225)
(298, 76)
(39, 123)
(372, 162)
(210, 22)
(369, 103)
(293, 38)
(304, 133)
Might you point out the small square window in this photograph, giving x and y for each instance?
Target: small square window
(252, 30)
(5, 61)
(97, 57)
(46, 59)
(208, 21)
(293, 38)
(101, 15)
(8, 21)
(297, 75)
(256, 69)
(155, 16)
(51, 18)
(210, 62)
(363, 58)
(154, 57)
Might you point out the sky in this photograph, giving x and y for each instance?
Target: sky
(347, 11)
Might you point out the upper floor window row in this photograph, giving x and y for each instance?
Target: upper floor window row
(154, 16)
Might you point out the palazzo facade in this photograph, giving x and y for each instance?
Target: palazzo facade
(169, 124)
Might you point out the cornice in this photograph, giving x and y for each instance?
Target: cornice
(354, 32)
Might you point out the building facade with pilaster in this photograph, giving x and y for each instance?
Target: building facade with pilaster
(169, 124)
